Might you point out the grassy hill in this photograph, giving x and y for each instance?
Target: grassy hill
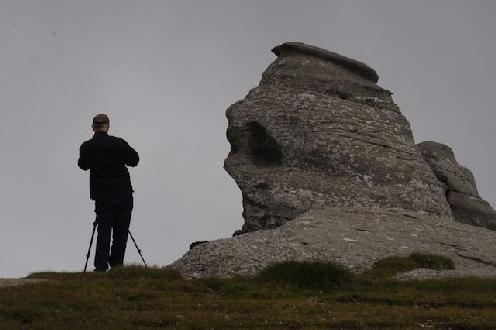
(284, 296)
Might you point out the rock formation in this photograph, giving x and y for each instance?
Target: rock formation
(466, 204)
(328, 170)
(318, 131)
(354, 237)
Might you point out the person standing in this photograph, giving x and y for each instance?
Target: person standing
(106, 157)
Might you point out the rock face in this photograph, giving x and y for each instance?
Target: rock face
(319, 132)
(328, 170)
(466, 204)
(355, 237)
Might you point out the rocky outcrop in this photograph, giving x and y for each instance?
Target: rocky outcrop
(461, 191)
(328, 170)
(442, 160)
(319, 132)
(472, 210)
(355, 237)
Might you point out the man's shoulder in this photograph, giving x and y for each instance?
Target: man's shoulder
(85, 143)
(116, 139)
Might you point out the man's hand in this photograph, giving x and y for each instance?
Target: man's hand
(131, 157)
(82, 162)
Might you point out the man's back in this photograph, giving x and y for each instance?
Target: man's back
(106, 157)
(110, 186)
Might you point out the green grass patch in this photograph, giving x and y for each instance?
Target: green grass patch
(283, 296)
(139, 272)
(393, 265)
(308, 275)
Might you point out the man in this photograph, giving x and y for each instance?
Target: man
(110, 187)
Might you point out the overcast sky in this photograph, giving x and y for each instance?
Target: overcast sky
(165, 72)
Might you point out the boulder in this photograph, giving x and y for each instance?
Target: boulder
(466, 204)
(472, 210)
(442, 160)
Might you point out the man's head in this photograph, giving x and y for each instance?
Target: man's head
(101, 123)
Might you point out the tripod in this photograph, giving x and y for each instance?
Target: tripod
(95, 223)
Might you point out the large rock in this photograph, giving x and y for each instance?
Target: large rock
(472, 210)
(355, 237)
(319, 132)
(442, 160)
(329, 171)
(466, 204)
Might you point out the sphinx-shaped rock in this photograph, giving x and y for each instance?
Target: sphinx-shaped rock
(328, 167)
(466, 204)
(319, 132)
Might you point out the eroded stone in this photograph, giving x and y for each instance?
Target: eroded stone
(354, 237)
(466, 204)
(329, 171)
(318, 132)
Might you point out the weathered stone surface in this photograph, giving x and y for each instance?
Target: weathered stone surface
(472, 210)
(319, 143)
(318, 132)
(431, 274)
(359, 68)
(466, 204)
(442, 160)
(192, 245)
(355, 237)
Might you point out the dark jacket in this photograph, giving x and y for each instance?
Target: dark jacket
(106, 157)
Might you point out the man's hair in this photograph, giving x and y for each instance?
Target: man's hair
(100, 120)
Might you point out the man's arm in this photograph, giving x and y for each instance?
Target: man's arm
(83, 159)
(131, 157)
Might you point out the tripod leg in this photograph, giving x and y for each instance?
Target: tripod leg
(89, 248)
(137, 248)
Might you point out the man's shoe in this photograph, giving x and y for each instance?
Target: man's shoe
(114, 267)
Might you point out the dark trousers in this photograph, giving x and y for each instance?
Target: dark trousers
(113, 216)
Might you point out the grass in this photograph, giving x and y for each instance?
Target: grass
(392, 265)
(283, 296)
(308, 275)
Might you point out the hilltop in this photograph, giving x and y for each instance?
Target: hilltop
(281, 298)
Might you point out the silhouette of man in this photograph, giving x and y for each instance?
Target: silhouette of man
(110, 187)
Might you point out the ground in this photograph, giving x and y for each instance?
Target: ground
(139, 298)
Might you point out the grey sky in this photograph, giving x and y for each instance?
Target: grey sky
(165, 71)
